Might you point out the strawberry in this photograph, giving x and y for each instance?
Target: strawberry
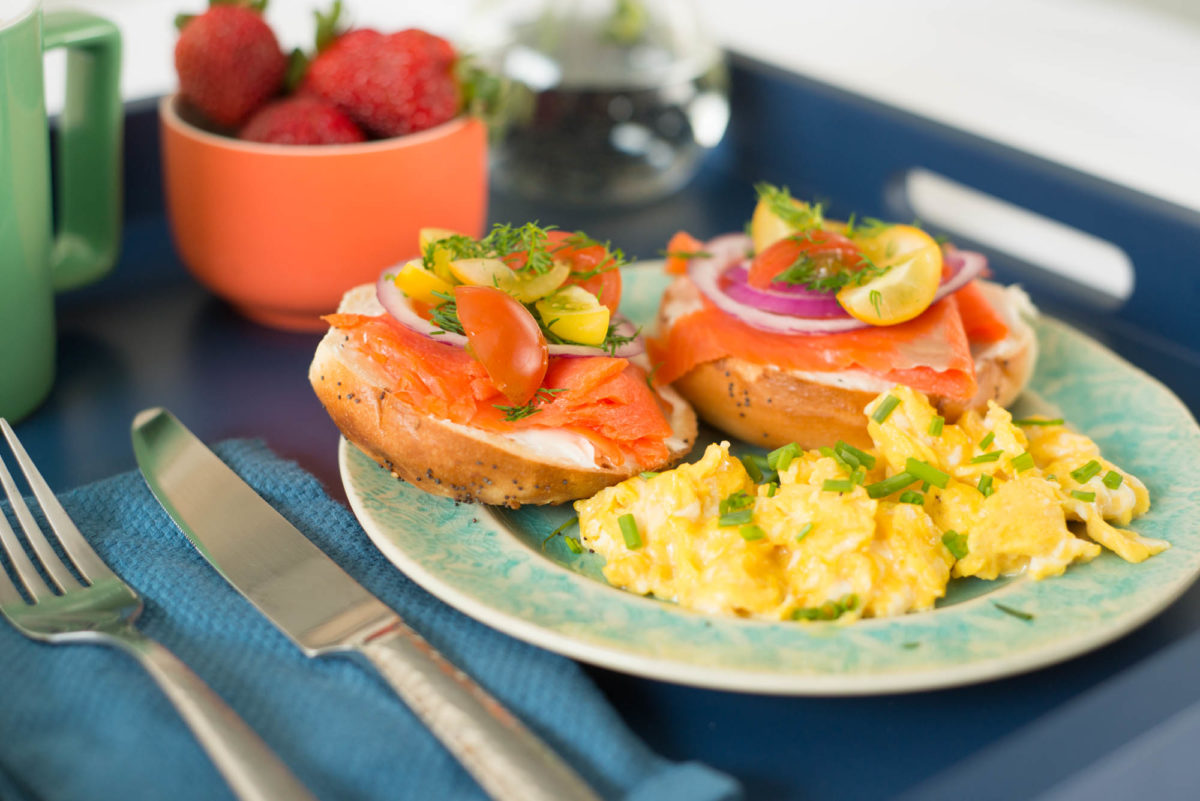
(390, 84)
(229, 62)
(301, 121)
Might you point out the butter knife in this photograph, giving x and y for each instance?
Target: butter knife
(327, 613)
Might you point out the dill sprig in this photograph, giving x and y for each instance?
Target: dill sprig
(445, 314)
(543, 395)
(800, 216)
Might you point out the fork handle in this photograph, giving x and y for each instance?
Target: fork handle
(249, 766)
(509, 762)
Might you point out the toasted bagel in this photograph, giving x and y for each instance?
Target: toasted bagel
(768, 406)
(455, 460)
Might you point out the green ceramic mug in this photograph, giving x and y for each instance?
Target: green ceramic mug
(40, 251)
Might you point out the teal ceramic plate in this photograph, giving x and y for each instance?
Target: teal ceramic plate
(495, 566)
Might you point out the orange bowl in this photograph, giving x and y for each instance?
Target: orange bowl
(281, 231)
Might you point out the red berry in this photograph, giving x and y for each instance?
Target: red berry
(229, 62)
(390, 84)
(301, 121)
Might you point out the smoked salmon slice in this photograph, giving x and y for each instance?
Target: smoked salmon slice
(930, 353)
(608, 400)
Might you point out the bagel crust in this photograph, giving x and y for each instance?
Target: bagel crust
(449, 459)
(770, 407)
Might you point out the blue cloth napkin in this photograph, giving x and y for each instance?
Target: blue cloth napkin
(85, 722)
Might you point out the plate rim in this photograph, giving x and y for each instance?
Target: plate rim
(755, 681)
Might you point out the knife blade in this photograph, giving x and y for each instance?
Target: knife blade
(308, 597)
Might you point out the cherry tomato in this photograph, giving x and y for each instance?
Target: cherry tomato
(505, 338)
(592, 268)
(822, 246)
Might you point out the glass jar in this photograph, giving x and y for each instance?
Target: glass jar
(611, 101)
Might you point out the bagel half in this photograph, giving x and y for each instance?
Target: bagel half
(458, 461)
(770, 407)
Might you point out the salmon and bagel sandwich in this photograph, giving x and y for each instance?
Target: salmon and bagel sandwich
(498, 370)
(785, 333)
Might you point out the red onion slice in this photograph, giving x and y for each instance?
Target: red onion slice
(721, 277)
(795, 301)
(397, 304)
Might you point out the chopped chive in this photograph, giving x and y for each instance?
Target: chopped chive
(837, 457)
(780, 458)
(573, 545)
(912, 496)
(737, 518)
(858, 476)
(629, 530)
(956, 543)
(570, 521)
(1034, 421)
(751, 532)
(806, 614)
(738, 500)
(985, 485)
(1023, 462)
(772, 488)
(1008, 610)
(849, 602)
(752, 468)
(830, 610)
(1082, 474)
(908, 646)
(803, 532)
(854, 455)
(837, 485)
(987, 441)
(924, 486)
(648, 474)
(1080, 495)
(889, 485)
(885, 408)
(927, 472)
(936, 425)
(990, 456)
(1112, 479)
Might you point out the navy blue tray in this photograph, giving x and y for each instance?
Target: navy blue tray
(148, 335)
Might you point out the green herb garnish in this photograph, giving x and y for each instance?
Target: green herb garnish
(751, 532)
(1023, 462)
(912, 496)
(885, 408)
(1084, 473)
(936, 425)
(1008, 610)
(853, 456)
(779, 459)
(513, 413)
(987, 441)
(990, 456)
(927, 472)
(1080, 495)
(838, 485)
(803, 532)
(1038, 421)
(629, 530)
(737, 518)
(985, 485)
(1112, 479)
(895, 483)
(955, 543)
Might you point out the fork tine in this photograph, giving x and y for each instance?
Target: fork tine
(58, 572)
(21, 563)
(72, 541)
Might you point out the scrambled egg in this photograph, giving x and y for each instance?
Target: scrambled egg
(843, 533)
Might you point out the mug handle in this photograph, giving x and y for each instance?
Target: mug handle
(87, 164)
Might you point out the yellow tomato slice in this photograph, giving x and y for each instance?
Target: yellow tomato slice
(913, 270)
(427, 239)
(420, 284)
(767, 227)
(574, 314)
(524, 285)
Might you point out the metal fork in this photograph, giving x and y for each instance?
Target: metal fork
(102, 609)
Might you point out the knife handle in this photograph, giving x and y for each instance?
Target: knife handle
(508, 760)
(248, 765)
